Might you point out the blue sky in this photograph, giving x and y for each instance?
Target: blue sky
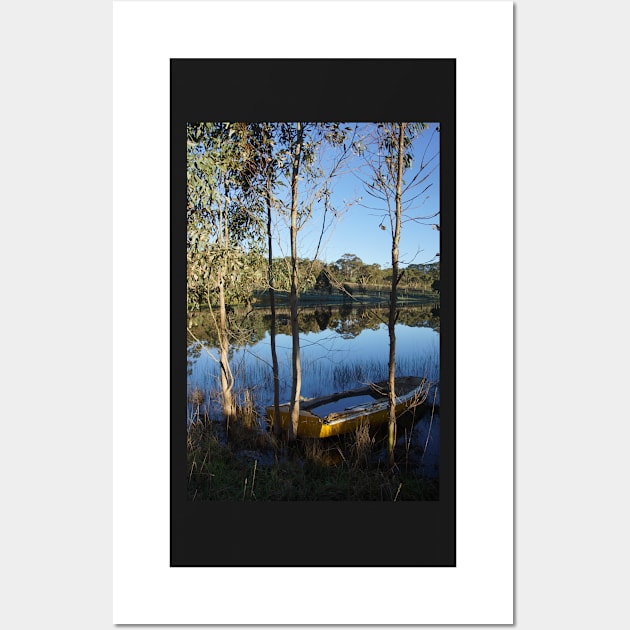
(358, 230)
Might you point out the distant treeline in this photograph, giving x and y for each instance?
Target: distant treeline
(344, 278)
(351, 270)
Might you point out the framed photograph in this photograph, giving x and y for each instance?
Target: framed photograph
(193, 78)
(316, 255)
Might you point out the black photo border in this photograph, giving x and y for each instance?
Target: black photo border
(317, 533)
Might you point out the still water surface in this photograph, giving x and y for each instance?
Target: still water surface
(341, 347)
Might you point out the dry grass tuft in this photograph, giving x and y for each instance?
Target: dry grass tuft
(361, 447)
(196, 397)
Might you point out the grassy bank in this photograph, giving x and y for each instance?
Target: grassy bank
(248, 465)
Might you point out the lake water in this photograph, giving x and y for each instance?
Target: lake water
(341, 346)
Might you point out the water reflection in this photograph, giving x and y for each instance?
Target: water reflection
(342, 346)
(248, 326)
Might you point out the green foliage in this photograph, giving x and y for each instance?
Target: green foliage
(224, 237)
(349, 265)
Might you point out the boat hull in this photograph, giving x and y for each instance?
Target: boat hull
(311, 425)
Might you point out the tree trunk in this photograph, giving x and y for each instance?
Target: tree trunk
(294, 407)
(227, 379)
(391, 440)
(277, 428)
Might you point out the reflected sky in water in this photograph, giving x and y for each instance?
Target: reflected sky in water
(331, 361)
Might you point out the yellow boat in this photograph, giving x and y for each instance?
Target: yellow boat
(344, 412)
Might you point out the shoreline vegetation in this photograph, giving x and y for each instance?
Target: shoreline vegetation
(256, 466)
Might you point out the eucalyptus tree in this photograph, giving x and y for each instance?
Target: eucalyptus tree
(267, 170)
(296, 143)
(390, 159)
(222, 231)
(350, 265)
(309, 179)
